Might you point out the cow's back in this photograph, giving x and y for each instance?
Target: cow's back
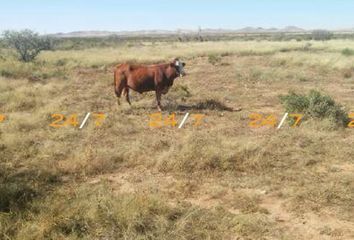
(140, 78)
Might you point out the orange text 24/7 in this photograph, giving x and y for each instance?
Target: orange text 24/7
(157, 120)
(60, 120)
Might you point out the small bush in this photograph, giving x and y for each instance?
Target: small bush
(6, 73)
(61, 62)
(16, 71)
(348, 52)
(182, 91)
(214, 59)
(226, 54)
(14, 196)
(315, 105)
(212, 104)
(283, 50)
(347, 73)
(307, 46)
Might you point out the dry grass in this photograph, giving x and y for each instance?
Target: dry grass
(221, 180)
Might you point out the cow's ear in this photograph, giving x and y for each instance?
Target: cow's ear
(184, 64)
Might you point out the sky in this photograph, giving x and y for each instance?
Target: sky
(54, 16)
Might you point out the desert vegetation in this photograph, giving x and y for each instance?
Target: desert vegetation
(220, 180)
(28, 44)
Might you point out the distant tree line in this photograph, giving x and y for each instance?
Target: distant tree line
(321, 35)
(28, 44)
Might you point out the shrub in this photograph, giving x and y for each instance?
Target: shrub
(6, 73)
(14, 196)
(348, 52)
(182, 91)
(214, 59)
(27, 43)
(212, 104)
(61, 62)
(348, 73)
(315, 105)
(307, 46)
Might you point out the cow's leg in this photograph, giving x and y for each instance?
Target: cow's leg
(118, 90)
(118, 94)
(120, 85)
(158, 99)
(127, 96)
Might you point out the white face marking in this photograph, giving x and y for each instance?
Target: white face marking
(179, 65)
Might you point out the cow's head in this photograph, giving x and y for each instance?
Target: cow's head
(179, 65)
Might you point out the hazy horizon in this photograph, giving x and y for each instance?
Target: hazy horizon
(139, 15)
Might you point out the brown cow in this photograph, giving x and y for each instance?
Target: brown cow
(141, 78)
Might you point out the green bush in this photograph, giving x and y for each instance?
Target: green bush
(28, 44)
(6, 73)
(315, 105)
(348, 52)
(214, 59)
(182, 91)
(14, 196)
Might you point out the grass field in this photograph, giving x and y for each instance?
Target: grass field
(219, 180)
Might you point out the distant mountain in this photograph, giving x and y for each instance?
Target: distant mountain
(292, 29)
(84, 34)
(270, 30)
(288, 29)
(344, 30)
(256, 30)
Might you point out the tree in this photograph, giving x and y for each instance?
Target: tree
(321, 35)
(27, 43)
(200, 37)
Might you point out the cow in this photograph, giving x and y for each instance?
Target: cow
(145, 78)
